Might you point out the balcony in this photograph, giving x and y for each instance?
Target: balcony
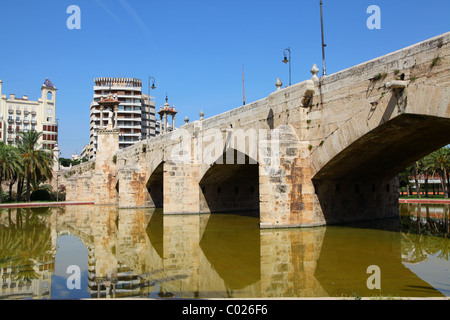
(10, 111)
(26, 112)
(129, 134)
(33, 121)
(26, 121)
(129, 126)
(18, 121)
(18, 112)
(33, 112)
(10, 120)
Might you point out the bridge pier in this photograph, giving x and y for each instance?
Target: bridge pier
(180, 188)
(132, 187)
(352, 200)
(105, 183)
(287, 197)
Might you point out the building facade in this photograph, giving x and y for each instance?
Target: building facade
(136, 115)
(21, 114)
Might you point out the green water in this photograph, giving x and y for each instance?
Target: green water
(95, 252)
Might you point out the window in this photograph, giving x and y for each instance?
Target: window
(49, 95)
(49, 111)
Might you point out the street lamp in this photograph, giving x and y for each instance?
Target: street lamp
(152, 84)
(286, 60)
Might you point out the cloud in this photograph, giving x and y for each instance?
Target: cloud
(109, 11)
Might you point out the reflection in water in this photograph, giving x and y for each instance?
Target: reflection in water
(143, 253)
(27, 248)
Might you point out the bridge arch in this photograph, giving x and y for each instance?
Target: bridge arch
(387, 136)
(155, 186)
(230, 186)
(355, 168)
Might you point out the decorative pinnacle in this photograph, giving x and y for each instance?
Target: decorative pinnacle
(278, 84)
(314, 71)
(201, 114)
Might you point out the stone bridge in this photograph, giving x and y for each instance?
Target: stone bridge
(318, 152)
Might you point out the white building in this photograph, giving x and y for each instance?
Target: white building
(136, 116)
(21, 114)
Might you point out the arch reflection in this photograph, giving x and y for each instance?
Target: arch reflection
(140, 253)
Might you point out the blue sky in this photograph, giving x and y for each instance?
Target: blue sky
(194, 49)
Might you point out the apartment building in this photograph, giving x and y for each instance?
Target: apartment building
(21, 114)
(136, 115)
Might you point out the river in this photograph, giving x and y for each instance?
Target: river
(86, 251)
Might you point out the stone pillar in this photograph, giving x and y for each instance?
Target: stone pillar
(133, 190)
(116, 109)
(173, 122)
(181, 188)
(287, 196)
(105, 175)
(165, 122)
(56, 158)
(160, 124)
(101, 117)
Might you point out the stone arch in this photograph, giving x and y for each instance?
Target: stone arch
(230, 187)
(155, 186)
(384, 151)
(406, 125)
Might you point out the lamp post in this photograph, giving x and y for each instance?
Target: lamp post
(323, 43)
(57, 189)
(286, 60)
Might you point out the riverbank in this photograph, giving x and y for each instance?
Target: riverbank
(43, 204)
(424, 200)
(73, 203)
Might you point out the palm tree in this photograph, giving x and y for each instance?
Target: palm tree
(404, 179)
(416, 169)
(439, 162)
(9, 164)
(37, 163)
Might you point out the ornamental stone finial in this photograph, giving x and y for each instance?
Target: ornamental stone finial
(314, 71)
(278, 84)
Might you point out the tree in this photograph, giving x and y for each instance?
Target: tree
(439, 163)
(37, 163)
(416, 166)
(404, 179)
(9, 164)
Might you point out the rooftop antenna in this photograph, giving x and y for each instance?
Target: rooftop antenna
(243, 85)
(323, 44)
